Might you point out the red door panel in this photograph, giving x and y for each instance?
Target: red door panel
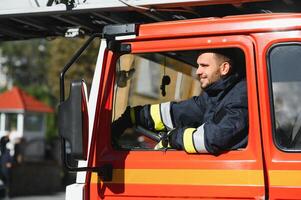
(176, 174)
(283, 168)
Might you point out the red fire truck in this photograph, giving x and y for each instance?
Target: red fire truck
(268, 168)
(133, 59)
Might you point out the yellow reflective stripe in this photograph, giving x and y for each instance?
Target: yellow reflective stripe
(188, 140)
(155, 114)
(132, 114)
(285, 177)
(185, 177)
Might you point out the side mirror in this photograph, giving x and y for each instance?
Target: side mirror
(74, 122)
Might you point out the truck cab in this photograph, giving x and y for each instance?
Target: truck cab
(147, 55)
(130, 72)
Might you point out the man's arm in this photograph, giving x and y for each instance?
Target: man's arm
(169, 115)
(188, 128)
(211, 137)
(226, 130)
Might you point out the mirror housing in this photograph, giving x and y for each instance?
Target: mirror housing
(73, 120)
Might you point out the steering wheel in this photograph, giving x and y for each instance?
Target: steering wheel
(157, 137)
(161, 137)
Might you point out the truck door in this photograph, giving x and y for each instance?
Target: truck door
(139, 171)
(279, 72)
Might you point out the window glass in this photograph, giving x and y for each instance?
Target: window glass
(11, 121)
(285, 70)
(33, 122)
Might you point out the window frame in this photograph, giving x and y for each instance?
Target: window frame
(271, 95)
(217, 44)
(128, 165)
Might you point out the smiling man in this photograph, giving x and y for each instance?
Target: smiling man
(212, 67)
(213, 122)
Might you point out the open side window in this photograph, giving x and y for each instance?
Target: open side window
(153, 78)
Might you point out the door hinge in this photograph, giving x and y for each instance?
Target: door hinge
(117, 46)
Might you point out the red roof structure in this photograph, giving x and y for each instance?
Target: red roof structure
(16, 99)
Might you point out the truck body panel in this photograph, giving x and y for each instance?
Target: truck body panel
(283, 168)
(268, 168)
(259, 171)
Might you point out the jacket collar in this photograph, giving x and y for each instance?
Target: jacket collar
(222, 86)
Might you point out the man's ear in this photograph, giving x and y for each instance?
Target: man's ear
(225, 68)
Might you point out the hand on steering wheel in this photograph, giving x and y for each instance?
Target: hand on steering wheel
(161, 137)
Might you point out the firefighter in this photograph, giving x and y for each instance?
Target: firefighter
(213, 122)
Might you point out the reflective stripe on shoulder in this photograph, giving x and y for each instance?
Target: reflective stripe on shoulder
(188, 140)
(166, 117)
(156, 116)
(199, 139)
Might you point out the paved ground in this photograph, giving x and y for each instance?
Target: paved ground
(58, 196)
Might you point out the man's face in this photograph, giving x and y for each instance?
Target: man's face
(210, 69)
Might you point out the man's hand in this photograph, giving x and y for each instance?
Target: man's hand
(126, 120)
(164, 142)
(122, 123)
(170, 140)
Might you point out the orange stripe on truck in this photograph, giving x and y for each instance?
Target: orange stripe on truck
(285, 177)
(185, 177)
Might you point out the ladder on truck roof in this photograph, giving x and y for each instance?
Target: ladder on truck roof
(26, 19)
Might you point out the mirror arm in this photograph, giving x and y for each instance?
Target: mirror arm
(105, 171)
(71, 61)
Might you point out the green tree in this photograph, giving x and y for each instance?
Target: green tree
(61, 51)
(26, 62)
(35, 65)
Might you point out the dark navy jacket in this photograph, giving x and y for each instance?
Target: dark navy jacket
(213, 122)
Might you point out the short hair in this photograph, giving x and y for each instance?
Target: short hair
(234, 56)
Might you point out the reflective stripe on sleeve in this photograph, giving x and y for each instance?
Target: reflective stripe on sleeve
(199, 140)
(155, 114)
(188, 140)
(166, 117)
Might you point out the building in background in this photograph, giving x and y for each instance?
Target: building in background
(24, 117)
